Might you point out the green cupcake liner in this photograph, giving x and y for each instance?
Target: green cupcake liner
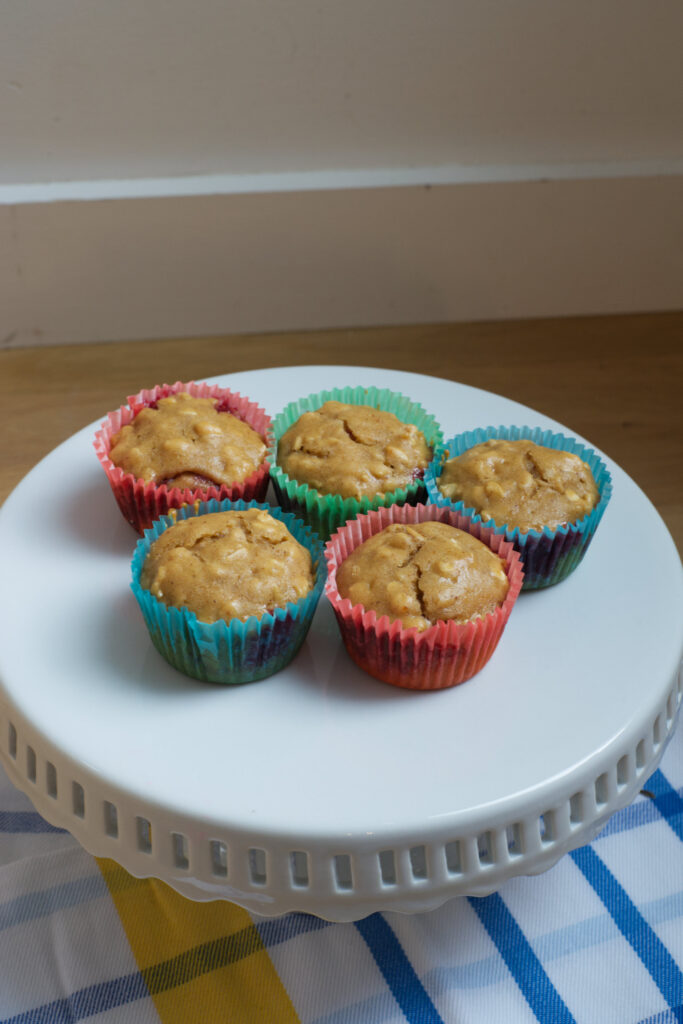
(325, 513)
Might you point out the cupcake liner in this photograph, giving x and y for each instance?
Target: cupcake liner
(548, 555)
(141, 503)
(326, 512)
(446, 654)
(235, 651)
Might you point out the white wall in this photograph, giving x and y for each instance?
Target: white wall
(130, 89)
(242, 114)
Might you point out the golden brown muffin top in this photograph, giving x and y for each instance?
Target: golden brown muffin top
(353, 450)
(424, 573)
(519, 483)
(186, 442)
(228, 565)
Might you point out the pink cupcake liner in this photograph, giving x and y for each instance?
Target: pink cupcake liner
(141, 503)
(446, 654)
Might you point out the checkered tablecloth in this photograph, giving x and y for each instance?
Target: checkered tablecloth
(598, 938)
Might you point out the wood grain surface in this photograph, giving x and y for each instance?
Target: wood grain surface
(616, 380)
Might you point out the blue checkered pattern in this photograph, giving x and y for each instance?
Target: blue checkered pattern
(597, 939)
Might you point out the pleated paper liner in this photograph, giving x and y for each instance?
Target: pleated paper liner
(441, 656)
(326, 512)
(141, 503)
(548, 555)
(235, 651)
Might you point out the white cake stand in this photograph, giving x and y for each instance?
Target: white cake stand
(321, 789)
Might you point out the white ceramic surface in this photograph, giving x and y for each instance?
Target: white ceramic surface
(322, 789)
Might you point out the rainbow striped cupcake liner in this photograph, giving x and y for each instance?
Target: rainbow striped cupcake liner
(141, 503)
(548, 555)
(235, 651)
(446, 654)
(325, 513)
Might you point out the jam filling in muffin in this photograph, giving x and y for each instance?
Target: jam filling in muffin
(353, 450)
(187, 442)
(423, 573)
(521, 484)
(228, 565)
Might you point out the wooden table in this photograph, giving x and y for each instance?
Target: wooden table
(616, 380)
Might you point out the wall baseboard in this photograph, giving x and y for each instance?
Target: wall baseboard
(191, 265)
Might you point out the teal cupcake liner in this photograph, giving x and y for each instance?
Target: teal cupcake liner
(325, 513)
(235, 651)
(548, 555)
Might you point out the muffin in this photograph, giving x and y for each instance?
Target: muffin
(545, 492)
(228, 589)
(228, 565)
(521, 484)
(187, 442)
(424, 573)
(182, 443)
(355, 451)
(345, 451)
(421, 594)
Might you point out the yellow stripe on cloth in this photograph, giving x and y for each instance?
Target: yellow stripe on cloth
(201, 961)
